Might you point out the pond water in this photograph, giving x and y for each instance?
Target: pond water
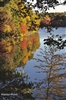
(44, 64)
(30, 68)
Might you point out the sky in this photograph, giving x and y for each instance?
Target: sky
(58, 8)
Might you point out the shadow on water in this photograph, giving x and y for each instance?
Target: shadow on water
(15, 84)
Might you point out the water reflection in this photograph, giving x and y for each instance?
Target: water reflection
(53, 86)
(35, 68)
(20, 53)
(53, 65)
(12, 80)
(16, 87)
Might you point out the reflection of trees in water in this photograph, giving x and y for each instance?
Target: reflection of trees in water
(13, 58)
(12, 82)
(17, 84)
(53, 66)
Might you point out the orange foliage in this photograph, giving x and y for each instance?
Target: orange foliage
(24, 44)
(23, 28)
(46, 19)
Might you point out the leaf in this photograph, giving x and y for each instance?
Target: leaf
(28, 18)
(24, 44)
(8, 47)
(7, 28)
(23, 28)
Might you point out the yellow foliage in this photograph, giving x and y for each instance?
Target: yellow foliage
(28, 53)
(23, 11)
(13, 41)
(34, 16)
(37, 22)
(24, 20)
(28, 18)
(34, 31)
(21, 34)
(21, 38)
(21, 6)
(29, 43)
(26, 57)
(9, 48)
(7, 28)
(47, 18)
(28, 24)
